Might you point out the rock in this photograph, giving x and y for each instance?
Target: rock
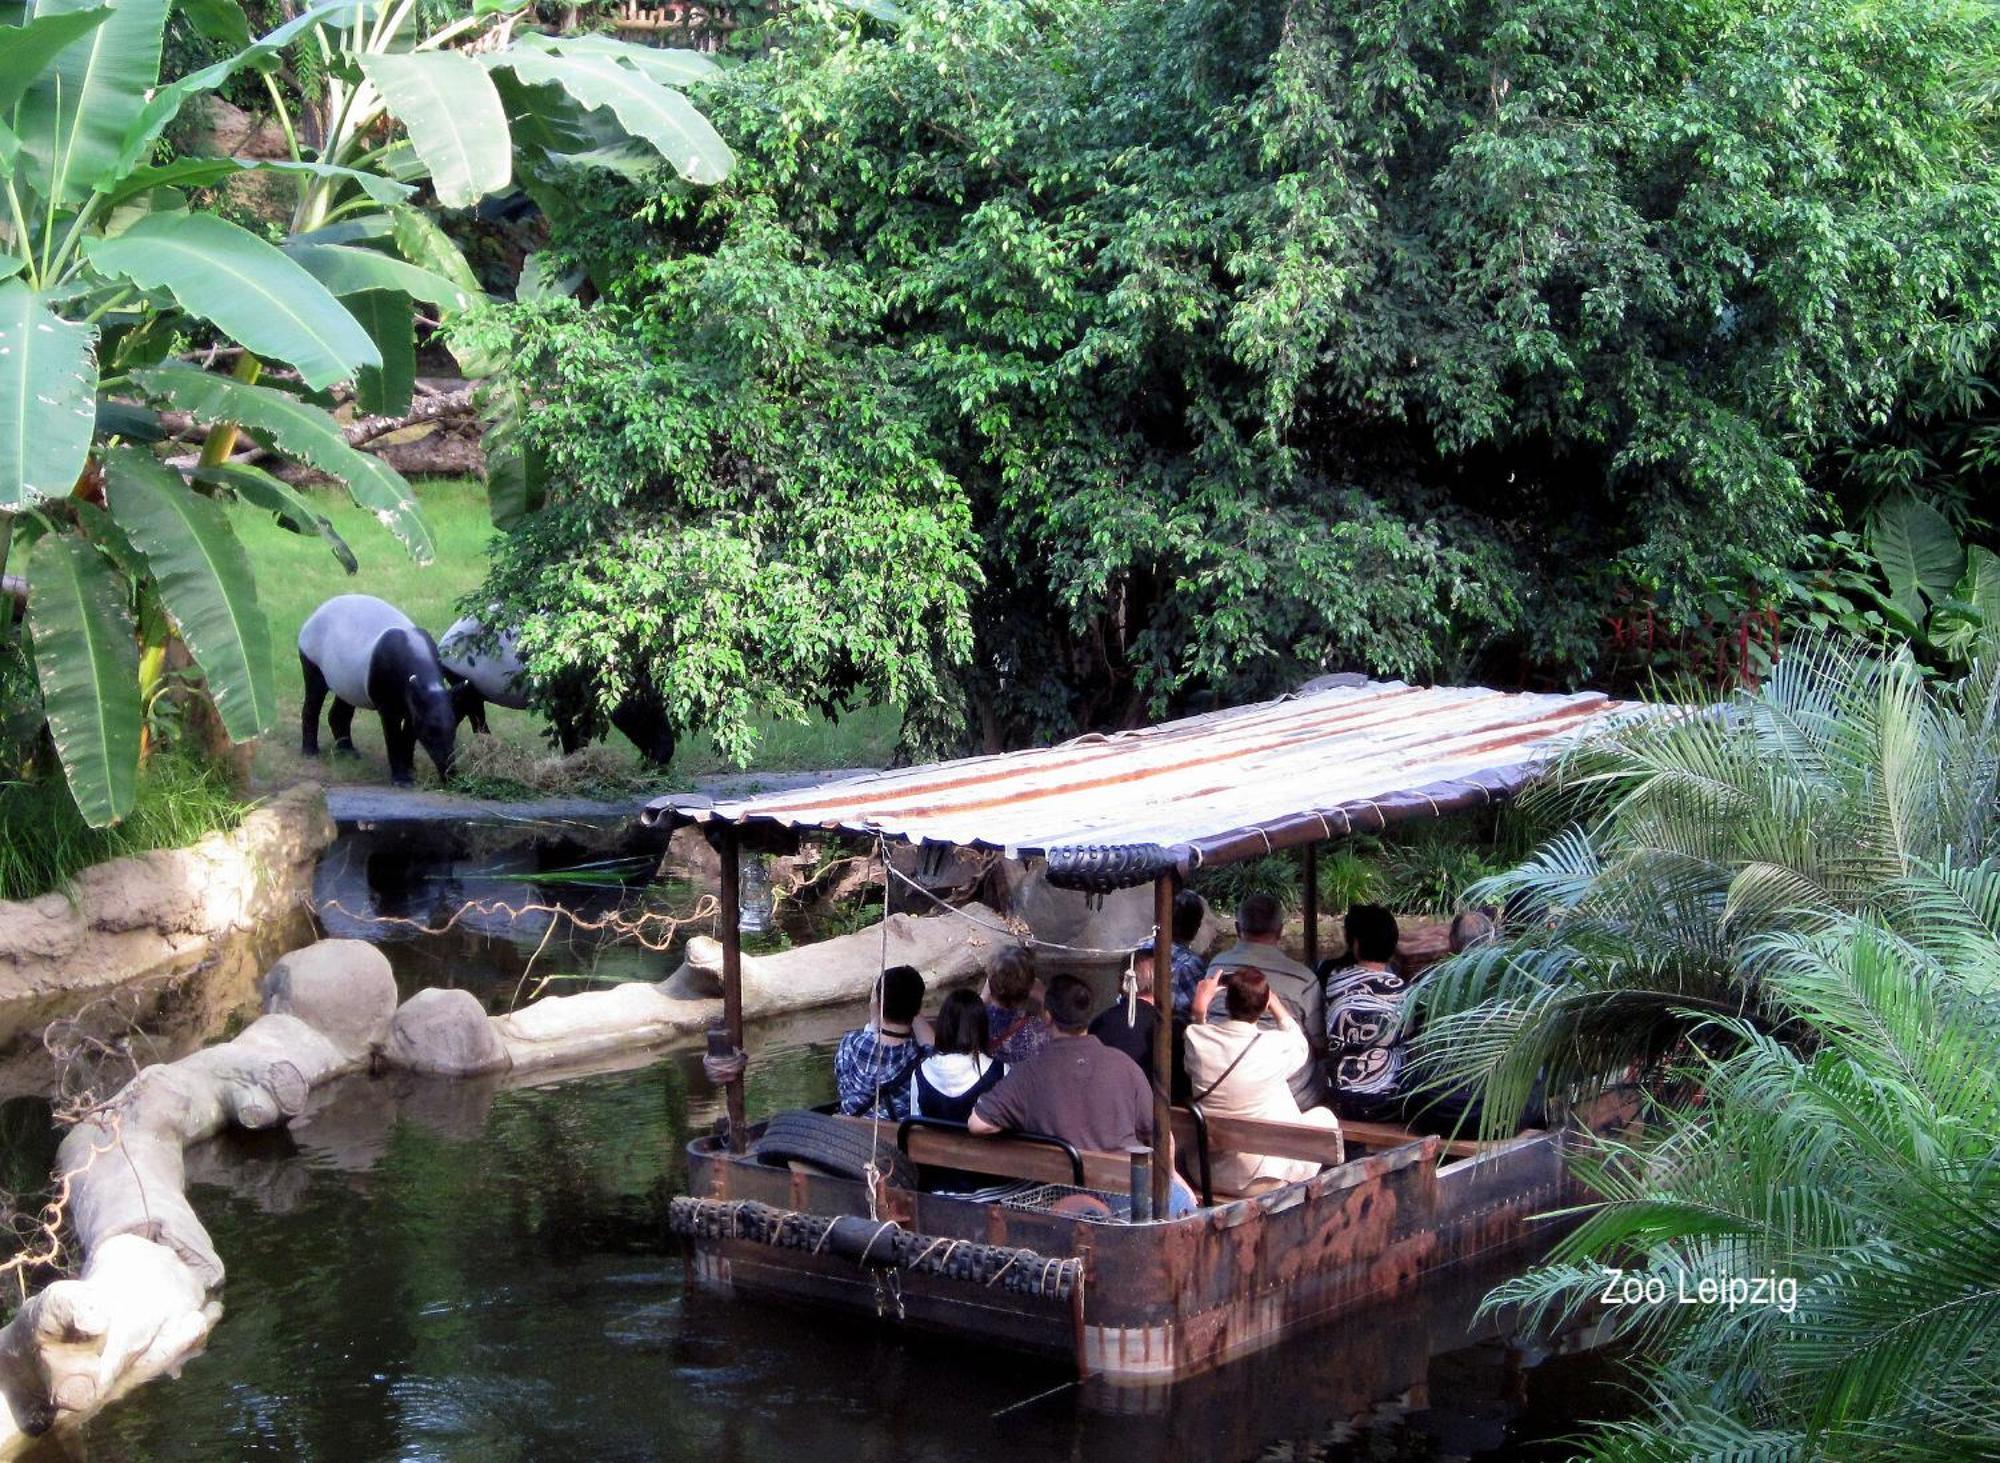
(344, 989)
(445, 1033)
(163, 913)
(1111, 923)
(689, 856)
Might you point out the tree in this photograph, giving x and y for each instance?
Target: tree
(1259, 340)
(107, 273)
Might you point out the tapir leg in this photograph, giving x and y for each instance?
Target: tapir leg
(402, 743)
(340, 721)
(309, 714)
(568, 737)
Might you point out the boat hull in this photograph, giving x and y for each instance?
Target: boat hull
(1158, 1302)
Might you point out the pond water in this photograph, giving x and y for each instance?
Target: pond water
(423, 1270)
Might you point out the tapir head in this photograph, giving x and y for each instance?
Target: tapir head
(644, 722)
(432, 704)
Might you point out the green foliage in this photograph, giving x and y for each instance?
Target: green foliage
(1787, 903)
(767, 535)
(1696, 837)
(44, 840)
(1854, 1160)
(105, 271)
(1261, 339)
(88, 670)
(1281, 875)
(1432, 867)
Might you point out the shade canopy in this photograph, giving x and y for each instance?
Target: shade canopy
(1113, 810)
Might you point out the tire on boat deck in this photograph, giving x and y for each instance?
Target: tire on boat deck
(842, 1149)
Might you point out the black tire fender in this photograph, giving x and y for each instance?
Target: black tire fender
(834, 1145)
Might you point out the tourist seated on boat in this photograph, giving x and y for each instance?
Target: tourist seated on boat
(1260, 925)
(1189, 968)
(1473, 927)
(1130, 1023)
(872, 1067)
(1364, 1019)
(1076, 1088)
(958, 1072)
(1457, 1111)
(1241, 1069)
(1017, 1026)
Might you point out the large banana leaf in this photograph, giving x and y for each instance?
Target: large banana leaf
(221, 21)
(447, 104)
(663, 119)
(245, 287)
(348, 271)
(74, 116)
(298, 429)
(164, 103)
(87, 660)
(31, 47)
(205, 582)
(388, 317)
(293, 510)
(666, 66)
(419, 239)
(48, 405)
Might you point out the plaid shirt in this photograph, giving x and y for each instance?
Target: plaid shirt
(1189, 968)
(873, 1075)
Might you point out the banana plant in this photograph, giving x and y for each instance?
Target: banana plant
(107, 272)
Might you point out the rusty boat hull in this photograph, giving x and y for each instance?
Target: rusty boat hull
(1152, 1302)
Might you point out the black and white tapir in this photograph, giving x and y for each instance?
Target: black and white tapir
(486, 672)
(372, 656)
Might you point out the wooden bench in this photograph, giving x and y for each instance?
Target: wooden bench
(1004, 1157)
(1010, 1158)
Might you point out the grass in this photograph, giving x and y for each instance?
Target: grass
(44, 841)
(296, 574)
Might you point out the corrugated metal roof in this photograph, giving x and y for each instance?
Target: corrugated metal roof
(1206, 789)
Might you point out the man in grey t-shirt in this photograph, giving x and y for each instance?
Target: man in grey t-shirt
(1076, 1088)
(1260, 924)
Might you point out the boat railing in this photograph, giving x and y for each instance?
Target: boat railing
(1199, 1121)
(1068, 1150)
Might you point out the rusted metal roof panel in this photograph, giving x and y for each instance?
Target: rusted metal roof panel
(1206, 789)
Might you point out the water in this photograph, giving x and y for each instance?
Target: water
(424, 1270)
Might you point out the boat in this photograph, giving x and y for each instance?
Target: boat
(1029, 1242)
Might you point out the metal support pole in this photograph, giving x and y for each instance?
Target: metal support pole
(1312, 907)
(1163, 1039)
(729, 898)
(1142, 1185)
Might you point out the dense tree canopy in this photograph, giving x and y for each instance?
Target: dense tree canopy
(1046, 363)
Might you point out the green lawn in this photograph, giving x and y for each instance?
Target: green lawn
(296, 574)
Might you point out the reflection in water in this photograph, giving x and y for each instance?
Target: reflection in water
(492, 887)
(439, 1270)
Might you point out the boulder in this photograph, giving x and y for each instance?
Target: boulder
(344, 989)
(445, 1033)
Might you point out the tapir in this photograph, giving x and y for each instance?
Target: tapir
(373, 657)
(493, 672)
